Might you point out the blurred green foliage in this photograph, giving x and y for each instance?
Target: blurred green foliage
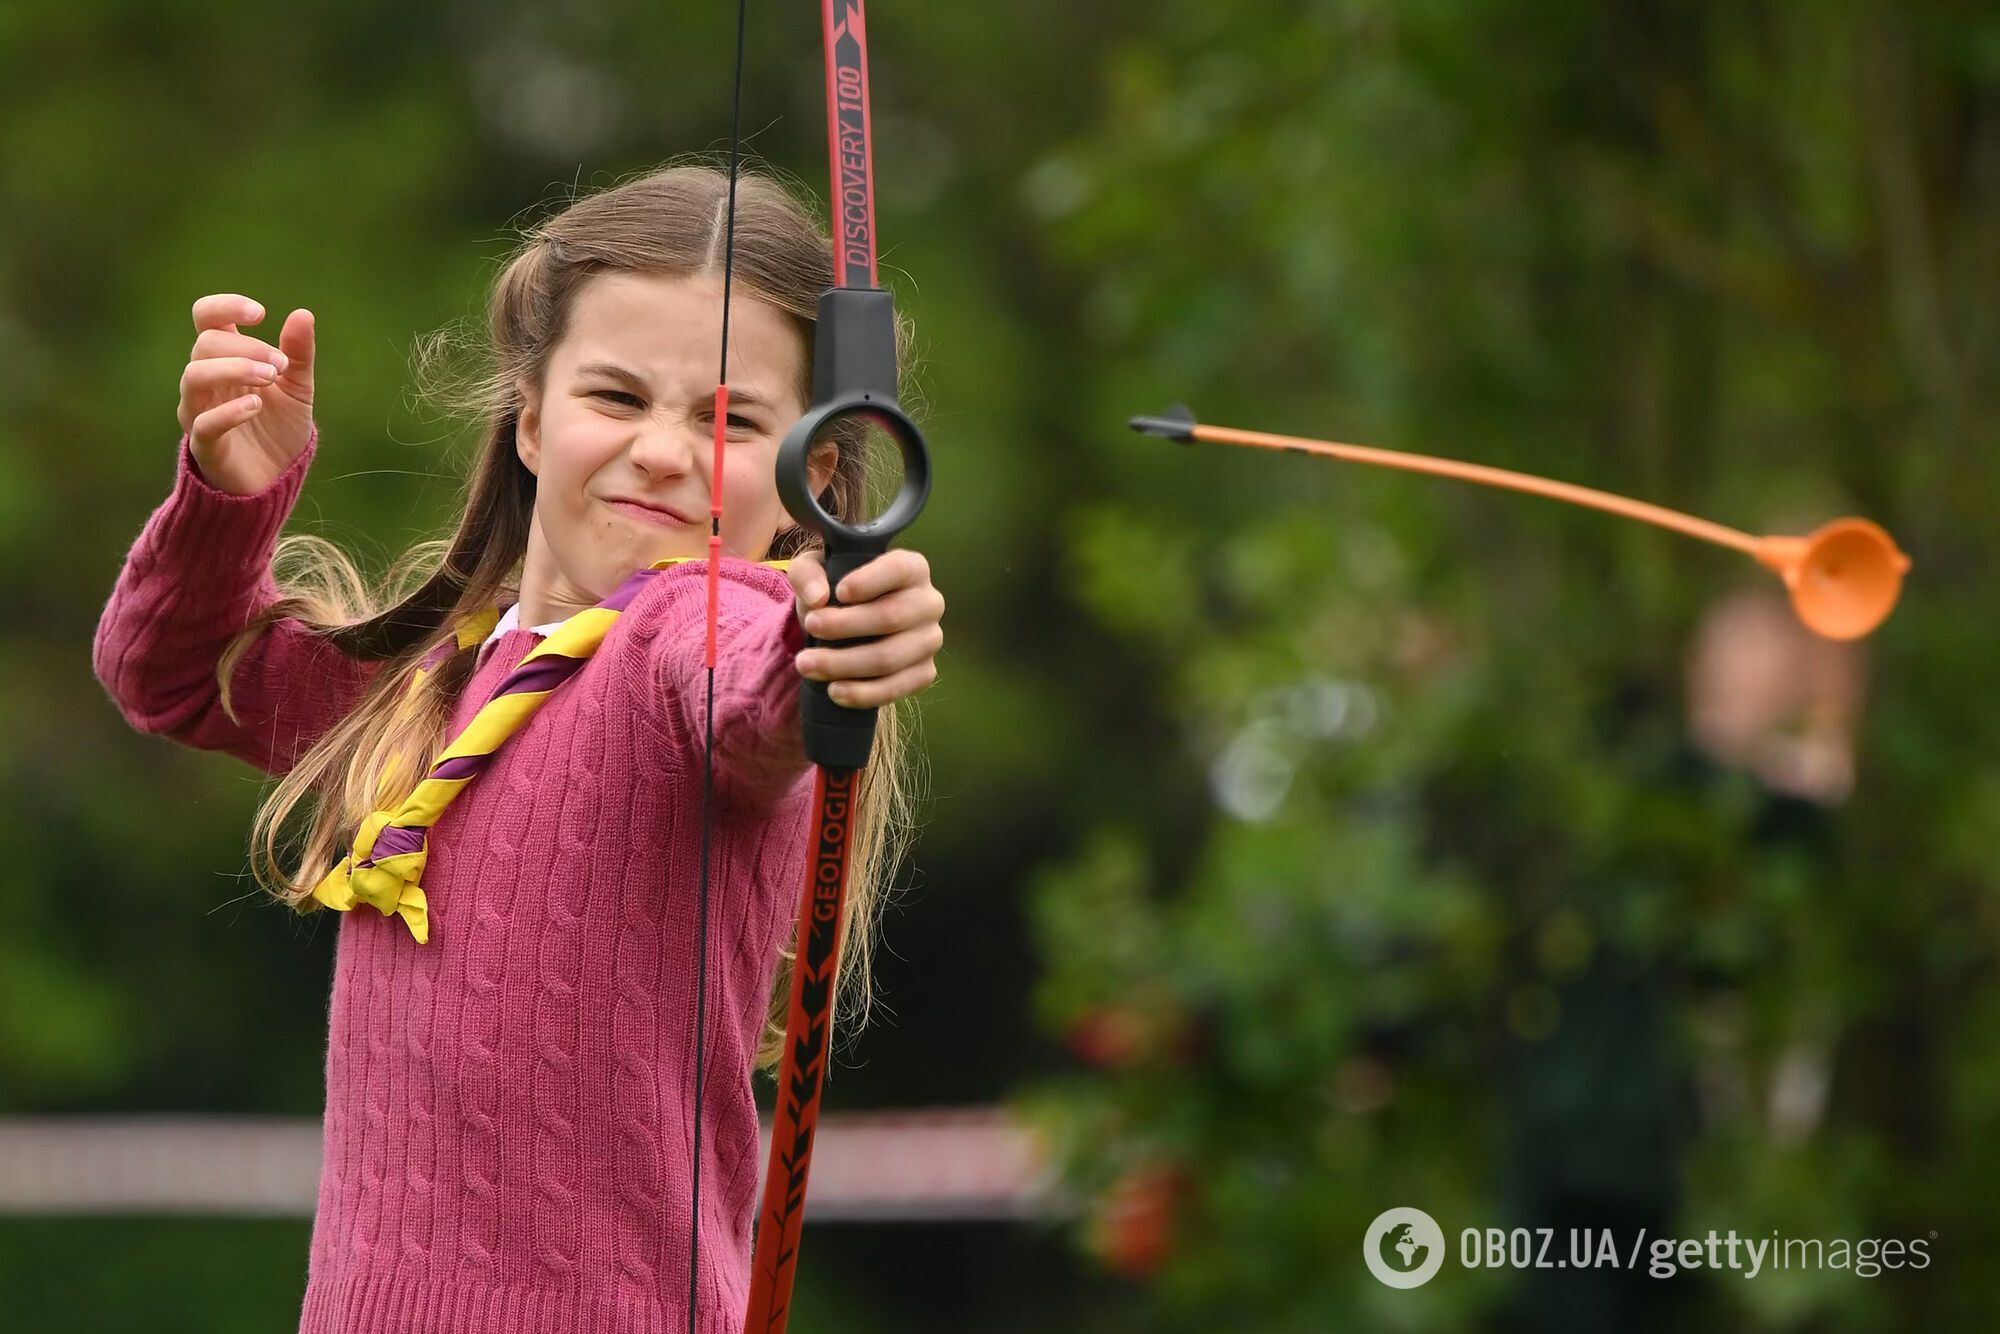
(1463, 921)
(1370, 794)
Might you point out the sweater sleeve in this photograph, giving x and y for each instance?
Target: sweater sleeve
(198, 573)
(759, 747)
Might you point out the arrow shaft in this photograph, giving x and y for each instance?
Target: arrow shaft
(1486, 476)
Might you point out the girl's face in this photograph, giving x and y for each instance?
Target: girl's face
(621, 435)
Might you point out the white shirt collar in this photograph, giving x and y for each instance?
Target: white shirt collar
(511, 620)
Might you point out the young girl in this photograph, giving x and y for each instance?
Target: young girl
(508, 1138)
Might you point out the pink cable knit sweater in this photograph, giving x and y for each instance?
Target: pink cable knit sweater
(508, 1144)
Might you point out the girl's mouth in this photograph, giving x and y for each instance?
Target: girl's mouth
(644, 514)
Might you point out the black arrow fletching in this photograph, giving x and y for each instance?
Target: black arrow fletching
(1176, 423)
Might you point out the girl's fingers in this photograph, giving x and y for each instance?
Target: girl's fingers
(885, 690)
(894, 604)
(901, 609)
(223, 343)
(807, 572)
(898, 567)
(884, 657)
(225, 310)
(221, 374)
(295, 344)
(219, 421)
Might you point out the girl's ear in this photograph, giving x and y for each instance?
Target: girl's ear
(528, 427)
(820, 465)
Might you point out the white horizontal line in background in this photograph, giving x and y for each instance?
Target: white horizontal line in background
(971, 1163)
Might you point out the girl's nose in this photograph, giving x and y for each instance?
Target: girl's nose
(669, 447)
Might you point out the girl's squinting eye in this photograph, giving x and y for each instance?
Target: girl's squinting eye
(737, 422)
(633, 399)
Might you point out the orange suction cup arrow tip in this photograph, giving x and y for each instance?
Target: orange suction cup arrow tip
(1843, 579)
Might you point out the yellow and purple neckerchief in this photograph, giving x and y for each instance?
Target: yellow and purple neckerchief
(391, 846)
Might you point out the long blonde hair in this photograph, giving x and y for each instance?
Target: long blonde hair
(669, 221)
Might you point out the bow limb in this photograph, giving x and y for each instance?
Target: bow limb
(854, 382)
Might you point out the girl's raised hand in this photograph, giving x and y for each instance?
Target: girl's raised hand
(246, 406)
(891, 596)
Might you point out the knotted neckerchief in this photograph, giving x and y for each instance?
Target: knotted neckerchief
(391, 846)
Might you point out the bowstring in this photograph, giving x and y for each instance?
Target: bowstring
(708, 746)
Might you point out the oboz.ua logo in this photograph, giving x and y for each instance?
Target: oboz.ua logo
(1404, 1247)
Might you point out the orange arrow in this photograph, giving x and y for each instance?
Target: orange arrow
(1843, 578)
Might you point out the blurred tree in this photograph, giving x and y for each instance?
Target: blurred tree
(1464, 922)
